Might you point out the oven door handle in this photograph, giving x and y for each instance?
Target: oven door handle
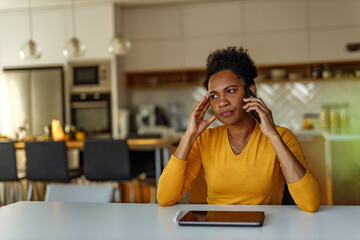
(94, 104)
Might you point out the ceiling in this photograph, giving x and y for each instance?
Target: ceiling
(24, 4)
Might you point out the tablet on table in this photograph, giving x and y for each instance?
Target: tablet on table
(223, 218)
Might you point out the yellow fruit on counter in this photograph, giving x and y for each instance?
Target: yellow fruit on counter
(80, 136)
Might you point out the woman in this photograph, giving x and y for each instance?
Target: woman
(245, 161)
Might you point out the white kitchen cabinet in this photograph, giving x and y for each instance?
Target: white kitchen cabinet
(49, 33)
(95, 27)
(330, 44)
(14, 28)
(334, 13)
(284, 47)
(214, 19)
(268, 16)
(160, 54)
(152, 22)
(196, 50)
(52, 28)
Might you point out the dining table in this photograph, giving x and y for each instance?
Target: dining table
(66, 220)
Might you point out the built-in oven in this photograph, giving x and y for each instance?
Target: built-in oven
(91, 112)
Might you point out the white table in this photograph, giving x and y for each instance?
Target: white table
(46, 220)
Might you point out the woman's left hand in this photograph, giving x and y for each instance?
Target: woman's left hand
(267, 124)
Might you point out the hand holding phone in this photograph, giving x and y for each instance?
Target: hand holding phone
(253, 113)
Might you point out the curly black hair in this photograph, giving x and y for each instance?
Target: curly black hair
(235, 59)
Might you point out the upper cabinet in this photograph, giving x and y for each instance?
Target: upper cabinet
(266, 16)
(52, 28)
(332, 25)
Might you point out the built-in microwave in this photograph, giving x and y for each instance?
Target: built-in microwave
(89, 76)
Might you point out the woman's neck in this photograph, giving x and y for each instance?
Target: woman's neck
(242, 131)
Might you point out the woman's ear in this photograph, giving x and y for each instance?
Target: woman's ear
(253, 89)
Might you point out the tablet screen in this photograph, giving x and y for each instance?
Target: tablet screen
(223, 218)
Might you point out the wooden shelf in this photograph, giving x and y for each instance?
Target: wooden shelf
(295, 72)
(169, 78)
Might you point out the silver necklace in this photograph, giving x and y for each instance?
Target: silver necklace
(238, 152)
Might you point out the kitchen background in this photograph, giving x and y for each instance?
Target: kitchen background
(181, 35)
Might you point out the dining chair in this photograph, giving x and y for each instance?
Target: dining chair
(287, 198)
(108, 160)
(8, 169)
(100, 193)
(47, 162)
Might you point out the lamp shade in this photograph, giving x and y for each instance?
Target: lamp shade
(119, 46)
(30, 50)
(74, 48)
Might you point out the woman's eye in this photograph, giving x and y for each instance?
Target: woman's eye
(213, 96)
(231, 91)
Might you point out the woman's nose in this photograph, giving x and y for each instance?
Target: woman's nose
(223, 102)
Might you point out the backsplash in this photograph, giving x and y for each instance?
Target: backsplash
(287, 100)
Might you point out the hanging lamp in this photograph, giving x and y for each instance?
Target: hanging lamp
(30, 49)
(118, 45)
(74, 47)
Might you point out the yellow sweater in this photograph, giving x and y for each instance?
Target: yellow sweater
(252, 177)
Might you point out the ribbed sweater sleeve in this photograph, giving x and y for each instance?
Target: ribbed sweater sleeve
(177, 177)
(306, 192)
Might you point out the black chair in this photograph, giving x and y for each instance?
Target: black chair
(107, 160)
(47, 162)
(287, 198)
(8, 168)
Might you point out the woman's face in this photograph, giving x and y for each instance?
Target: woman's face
(226, 97)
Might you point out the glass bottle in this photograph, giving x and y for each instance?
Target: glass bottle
(334, 119)
(325, 117)
(344, 117)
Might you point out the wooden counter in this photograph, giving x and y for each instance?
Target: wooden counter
(134, 144)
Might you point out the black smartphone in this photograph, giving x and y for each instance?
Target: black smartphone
(253, 113)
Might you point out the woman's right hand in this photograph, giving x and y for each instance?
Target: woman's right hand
(197, 124)
(195, 127)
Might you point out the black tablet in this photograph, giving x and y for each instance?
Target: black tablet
(223, 218)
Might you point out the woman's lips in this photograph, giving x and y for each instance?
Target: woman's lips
(227, 113)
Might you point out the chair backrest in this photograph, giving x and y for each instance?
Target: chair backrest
(79, 193)
(46, 161)
(106, 160)
(8, 170)
(287, 198)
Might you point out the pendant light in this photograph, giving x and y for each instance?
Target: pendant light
(118, 45)
(74, 47)
(30, 49)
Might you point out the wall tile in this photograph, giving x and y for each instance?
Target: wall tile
(288, 101)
